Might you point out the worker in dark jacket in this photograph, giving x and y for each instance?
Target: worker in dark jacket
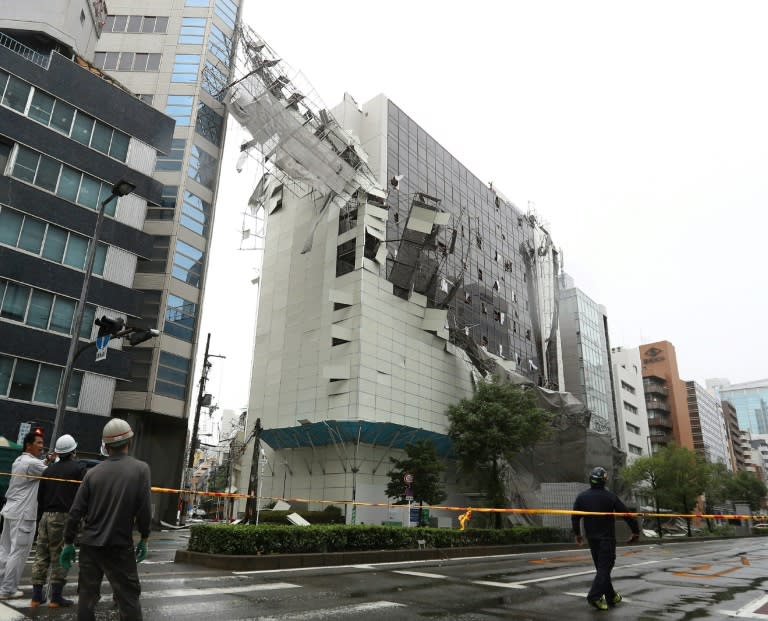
(113, 497)
(55, 495)
(601, 535)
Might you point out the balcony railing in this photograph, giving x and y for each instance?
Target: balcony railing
(655, 404)
(659, 421)
(655, 387)
(22, 50)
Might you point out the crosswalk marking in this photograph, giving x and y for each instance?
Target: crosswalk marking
(9, 614)
(501, 585)
(333, 613)
(419, 574)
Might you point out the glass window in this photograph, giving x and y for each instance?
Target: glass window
(61, 317)
(89, 192)
(89, 316)
(100, 259)
(192, 30)
(6, 368)
(185, 67)
(161, 25)
(188, 263)
(83, 128)
(219, 44)
(32, 235)
(214, 81)
(126, 61)
(180, 108)
(75, 384)
(62, 116)
(26, 164)
(159, 259)
(47, 174)
(110, 60)
(69, 184)
(209, 124)
(180, 318)
(15, 302)
(10, 226)
(172, 374)
(75, 253)
(173, 160)
(149, 24)
(134, 23)
(195, 214)
(153, 62)
(39, 309)
(16, 94)
(41, 107)
(198, 3)
(3, 80)
(119, 147)
(140, 61)
(55, 243)
(120, 23)
(102, 136)
(202, 167)
(23, 382)
(167, 207)
(48, 384)
(227, 10)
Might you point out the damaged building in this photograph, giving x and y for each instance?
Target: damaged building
(393, 280)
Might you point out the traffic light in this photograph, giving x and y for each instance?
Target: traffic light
(139, 336)
(109, 326)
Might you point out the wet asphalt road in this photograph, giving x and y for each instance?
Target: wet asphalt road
(723, 579)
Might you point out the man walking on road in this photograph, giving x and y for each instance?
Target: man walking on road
(113, 496)
(20, 515)
(601, 535)
(54, 499)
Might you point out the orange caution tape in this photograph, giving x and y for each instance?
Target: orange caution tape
(389, 505)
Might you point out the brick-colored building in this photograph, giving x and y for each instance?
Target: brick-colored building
(666, 399)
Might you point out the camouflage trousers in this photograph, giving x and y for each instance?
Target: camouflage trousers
(50, 540)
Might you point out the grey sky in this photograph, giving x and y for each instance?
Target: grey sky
(639, 131)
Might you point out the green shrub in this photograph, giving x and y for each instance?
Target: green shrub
(278, 539)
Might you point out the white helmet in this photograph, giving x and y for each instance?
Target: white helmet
(65, 444)
(116, 432)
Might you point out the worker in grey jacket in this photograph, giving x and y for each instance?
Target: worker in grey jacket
(113, 496)
(20, 515)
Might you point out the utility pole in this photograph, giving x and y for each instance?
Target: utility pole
(253, 480)
(200, 401)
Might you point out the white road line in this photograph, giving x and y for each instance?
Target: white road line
(584, 596)
(419, 574)
(9, 614)
(584, 573)
(746, 612)
(225, 590)
(500, 585)
(334, 612)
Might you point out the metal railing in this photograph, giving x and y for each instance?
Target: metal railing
(27, 52)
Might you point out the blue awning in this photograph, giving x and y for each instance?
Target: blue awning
(324, 433)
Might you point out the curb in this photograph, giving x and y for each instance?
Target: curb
(333, 559)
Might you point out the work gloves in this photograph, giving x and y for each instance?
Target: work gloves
(141, 551)
(68, 556)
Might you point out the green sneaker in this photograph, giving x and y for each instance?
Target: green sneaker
(600, 603)
(616, 599)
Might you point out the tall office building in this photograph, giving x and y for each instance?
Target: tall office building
(710, 439)
(175, 55)
(750, 400)
(392, 276)
(631, 417)
(734, 435)
(586, 355)
(666, 399)
(68, 133)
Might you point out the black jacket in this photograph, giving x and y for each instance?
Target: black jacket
(59, 495)
(600, 500)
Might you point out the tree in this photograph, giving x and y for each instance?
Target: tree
(747, 487)
(489, 429)
(422, 463)
(676, 476)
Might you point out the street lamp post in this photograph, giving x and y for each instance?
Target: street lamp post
(121, 188)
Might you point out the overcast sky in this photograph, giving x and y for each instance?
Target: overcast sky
(637, 130)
